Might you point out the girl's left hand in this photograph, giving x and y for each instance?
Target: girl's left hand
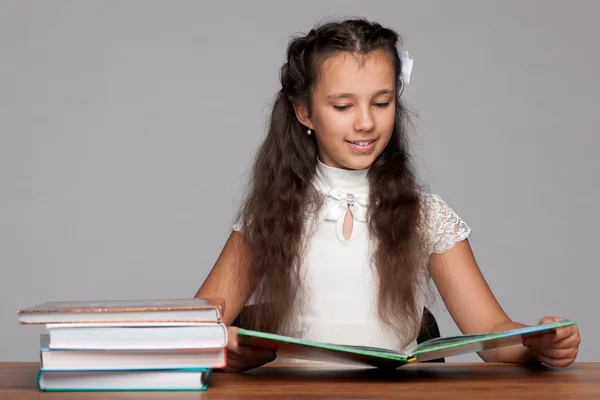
(557, 348)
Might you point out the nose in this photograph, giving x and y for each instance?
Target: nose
(364, 121)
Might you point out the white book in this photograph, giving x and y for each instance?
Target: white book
(64, 360)
(141, 336)
(184, 379)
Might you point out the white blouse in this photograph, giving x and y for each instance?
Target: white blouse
(340, 285)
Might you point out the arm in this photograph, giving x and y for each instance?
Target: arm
(471, 303)
(475, 310)
(229, 277)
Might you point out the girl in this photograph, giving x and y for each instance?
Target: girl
(336, 242)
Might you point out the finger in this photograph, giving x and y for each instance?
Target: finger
(244, 353)
(253, 352)
(557, 354)
(239, 367)
(232, 366)
(553, 336)
(567, 343)
(546, 320)
(553, 341)
(235, 363)
(561, 362)
(565, 332)
(560, 332)
(532, 335)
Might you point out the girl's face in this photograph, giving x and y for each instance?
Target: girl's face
(353, 109)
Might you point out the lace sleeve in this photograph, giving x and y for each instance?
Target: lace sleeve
(237, 225)
(444, 226)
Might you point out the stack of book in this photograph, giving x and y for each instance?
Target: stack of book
(129, 345)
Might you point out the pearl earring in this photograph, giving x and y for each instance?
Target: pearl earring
(308, 132)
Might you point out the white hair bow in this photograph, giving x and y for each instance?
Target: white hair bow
(407, 64)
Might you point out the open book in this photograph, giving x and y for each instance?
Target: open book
(290, 347)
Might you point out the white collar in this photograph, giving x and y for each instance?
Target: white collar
(348, 181)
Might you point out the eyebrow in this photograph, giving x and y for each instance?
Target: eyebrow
(351, 95)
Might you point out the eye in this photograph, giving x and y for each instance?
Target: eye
(382, 105)
(341, 108)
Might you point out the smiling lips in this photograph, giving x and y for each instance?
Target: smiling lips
(361, 146)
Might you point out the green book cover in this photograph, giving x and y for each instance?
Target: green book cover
(290, 347)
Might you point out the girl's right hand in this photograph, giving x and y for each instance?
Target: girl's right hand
(243, 358)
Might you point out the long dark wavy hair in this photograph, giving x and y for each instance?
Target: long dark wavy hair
(281, 194)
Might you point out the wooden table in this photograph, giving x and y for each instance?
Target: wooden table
(416, 381)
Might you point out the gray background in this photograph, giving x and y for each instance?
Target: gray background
(128, 128)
